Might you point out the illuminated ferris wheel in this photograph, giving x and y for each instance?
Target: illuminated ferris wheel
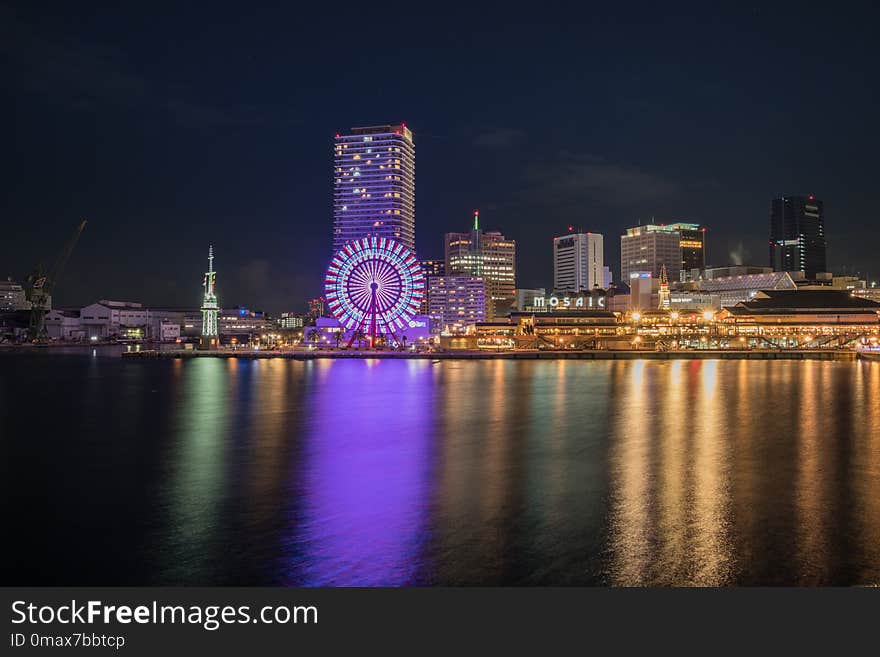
(374, 286)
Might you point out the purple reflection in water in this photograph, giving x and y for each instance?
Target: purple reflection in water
(365, 477)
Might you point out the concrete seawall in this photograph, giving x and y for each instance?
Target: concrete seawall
(788, 354)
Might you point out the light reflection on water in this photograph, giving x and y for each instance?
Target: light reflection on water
(380, 472)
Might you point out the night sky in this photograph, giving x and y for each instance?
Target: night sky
(172, 127)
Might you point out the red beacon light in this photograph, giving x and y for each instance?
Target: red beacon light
(810, 197)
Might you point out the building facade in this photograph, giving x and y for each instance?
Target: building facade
(490, 256)
(797, 235)
(578, 262)
(374, 185)
(430, 268)
(290, 321)
(458, 301)
(13, 296)
(735, 289)
(647, 248)
(694, 250)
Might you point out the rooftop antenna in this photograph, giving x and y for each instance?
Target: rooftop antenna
(476, 220)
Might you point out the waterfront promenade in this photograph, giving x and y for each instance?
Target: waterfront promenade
(707, 354)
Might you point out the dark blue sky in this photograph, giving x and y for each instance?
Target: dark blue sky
(171, 127)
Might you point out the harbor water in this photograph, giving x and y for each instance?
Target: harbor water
(411, 472)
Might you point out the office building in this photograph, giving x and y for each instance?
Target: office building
(694, 251)
(430, 268)
(647, 248)
(290, 321)
(458, 301)
(374, 185)
(797, 235)
(578, 262)
(489, 255)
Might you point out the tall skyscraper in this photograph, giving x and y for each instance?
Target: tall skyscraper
(694, 248)
(797, 235)
(374, 188)
(647, 248)
(578, 262)
(487, 254)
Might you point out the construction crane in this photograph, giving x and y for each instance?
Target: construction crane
(41, 283)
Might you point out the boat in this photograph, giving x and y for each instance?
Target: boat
(870, 354)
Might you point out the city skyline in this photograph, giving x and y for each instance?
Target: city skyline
(172, 163)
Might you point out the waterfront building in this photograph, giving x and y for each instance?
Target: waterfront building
(647, 248)
(64, 324)
(210, 336)
(797, 235)
(563, 329)
(13, 296)
(241, 325)
(595, 299)
(694, 250)
(126, 320)
(458, 301)
(488, 255)
(374, 185)
(578, 262)
(806, 318)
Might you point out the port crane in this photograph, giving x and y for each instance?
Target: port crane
(41, 282)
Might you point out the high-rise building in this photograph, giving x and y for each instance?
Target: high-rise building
(797, 235)
(647, 248)
(487, 254)
(374, 185)
(457, 301)
(430, 268)
(694, 249)
(578, 261)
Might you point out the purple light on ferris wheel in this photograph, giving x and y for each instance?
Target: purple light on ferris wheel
(374, 285)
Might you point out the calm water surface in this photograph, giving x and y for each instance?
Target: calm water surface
(372, 472)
